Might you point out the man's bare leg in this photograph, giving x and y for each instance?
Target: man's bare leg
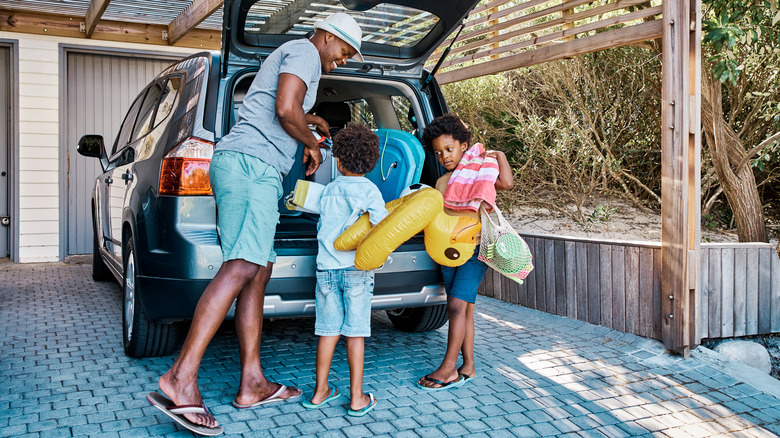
(249, 327)
(180, 383)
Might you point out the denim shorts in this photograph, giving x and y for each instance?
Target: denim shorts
(462, 282)
(247, 192)
(343, 302)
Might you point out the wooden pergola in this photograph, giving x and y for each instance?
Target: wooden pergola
(499, 35)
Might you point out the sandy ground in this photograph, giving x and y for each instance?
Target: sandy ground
(616, 221)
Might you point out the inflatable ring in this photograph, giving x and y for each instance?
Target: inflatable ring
(449, 240)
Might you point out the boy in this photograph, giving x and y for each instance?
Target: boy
(343, 295)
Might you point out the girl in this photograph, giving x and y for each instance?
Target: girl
(450, 139)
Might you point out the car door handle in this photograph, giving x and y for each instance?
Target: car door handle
(109, 180)
(127, 176)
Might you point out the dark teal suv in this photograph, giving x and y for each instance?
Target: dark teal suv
(152, 209)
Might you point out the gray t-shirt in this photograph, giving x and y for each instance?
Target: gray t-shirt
(258, 132)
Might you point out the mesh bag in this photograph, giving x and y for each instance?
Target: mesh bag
(502, 248)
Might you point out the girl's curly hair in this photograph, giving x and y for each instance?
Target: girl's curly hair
(448, 124)
(357, 148)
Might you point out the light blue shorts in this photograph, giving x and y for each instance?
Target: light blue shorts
(343, 302)
(247, 192)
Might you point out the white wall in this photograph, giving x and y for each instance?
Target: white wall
(39, 138)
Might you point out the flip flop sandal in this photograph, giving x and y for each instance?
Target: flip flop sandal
(371, 405)
(275, 397)
(334, 394)
(459, 381)
(167, 407)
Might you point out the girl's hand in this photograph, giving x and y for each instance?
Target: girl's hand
(504, 180)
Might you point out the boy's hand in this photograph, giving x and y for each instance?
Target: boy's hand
(312, 158)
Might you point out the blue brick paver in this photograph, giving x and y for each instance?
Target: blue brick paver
(63, 373)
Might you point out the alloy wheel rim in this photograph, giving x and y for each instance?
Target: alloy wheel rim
(129, 296)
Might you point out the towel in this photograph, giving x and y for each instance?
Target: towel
(473, 181)
(305, 197)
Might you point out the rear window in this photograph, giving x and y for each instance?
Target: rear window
(385, 24)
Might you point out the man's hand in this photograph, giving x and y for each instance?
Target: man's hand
(312, 158)
(321, 124)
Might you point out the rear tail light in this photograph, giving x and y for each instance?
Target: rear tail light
(185, 169)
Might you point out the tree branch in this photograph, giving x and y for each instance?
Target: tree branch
(755, 150)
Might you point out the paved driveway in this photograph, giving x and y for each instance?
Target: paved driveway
(63, 373)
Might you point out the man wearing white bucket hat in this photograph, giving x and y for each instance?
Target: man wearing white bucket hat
(246, 176)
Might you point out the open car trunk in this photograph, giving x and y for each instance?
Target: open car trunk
(397, 34)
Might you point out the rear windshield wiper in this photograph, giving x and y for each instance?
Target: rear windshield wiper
(441, 59)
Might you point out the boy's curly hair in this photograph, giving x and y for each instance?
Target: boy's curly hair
(448, 124)
(357, 148)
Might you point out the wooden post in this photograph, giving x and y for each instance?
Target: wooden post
(680, 175)
(493, 34)
(694, 167)
(567, 24)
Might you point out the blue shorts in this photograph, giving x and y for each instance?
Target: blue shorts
(462, 282)
(247, 192)
(343, 302)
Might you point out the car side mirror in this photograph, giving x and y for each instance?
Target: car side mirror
(91, 145)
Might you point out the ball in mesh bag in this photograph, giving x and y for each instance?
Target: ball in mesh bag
(511, 253)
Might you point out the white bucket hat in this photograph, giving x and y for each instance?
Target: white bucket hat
(345, 28)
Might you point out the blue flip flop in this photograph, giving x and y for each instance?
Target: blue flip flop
(459, 381)
(371, 405)
(334, 394)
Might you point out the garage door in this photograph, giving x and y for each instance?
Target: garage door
(99, 90)
(5, 141)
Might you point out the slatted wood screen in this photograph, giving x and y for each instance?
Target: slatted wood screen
(618, 285)
(501, 35)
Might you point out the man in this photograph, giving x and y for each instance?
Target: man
(246, 172)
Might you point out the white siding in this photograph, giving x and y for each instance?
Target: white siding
(39, 139)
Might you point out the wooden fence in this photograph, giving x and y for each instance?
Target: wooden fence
(618, 285)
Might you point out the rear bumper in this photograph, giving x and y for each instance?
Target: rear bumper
(181, 297)
(408, 279)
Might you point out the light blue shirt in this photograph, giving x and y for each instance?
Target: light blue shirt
(258, 132)
(341, 204)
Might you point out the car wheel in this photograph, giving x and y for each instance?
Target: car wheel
(100, 271)
(142, 338)
(418, 319)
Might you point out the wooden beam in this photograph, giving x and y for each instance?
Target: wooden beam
(68, 26)
(285, 18)
(94, 12)
(191, 16)
(580, 46)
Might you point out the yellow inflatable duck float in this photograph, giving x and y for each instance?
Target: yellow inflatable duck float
(449, 240)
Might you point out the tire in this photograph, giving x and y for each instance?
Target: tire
(418, 319)
(141, 337)
(100, 271)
